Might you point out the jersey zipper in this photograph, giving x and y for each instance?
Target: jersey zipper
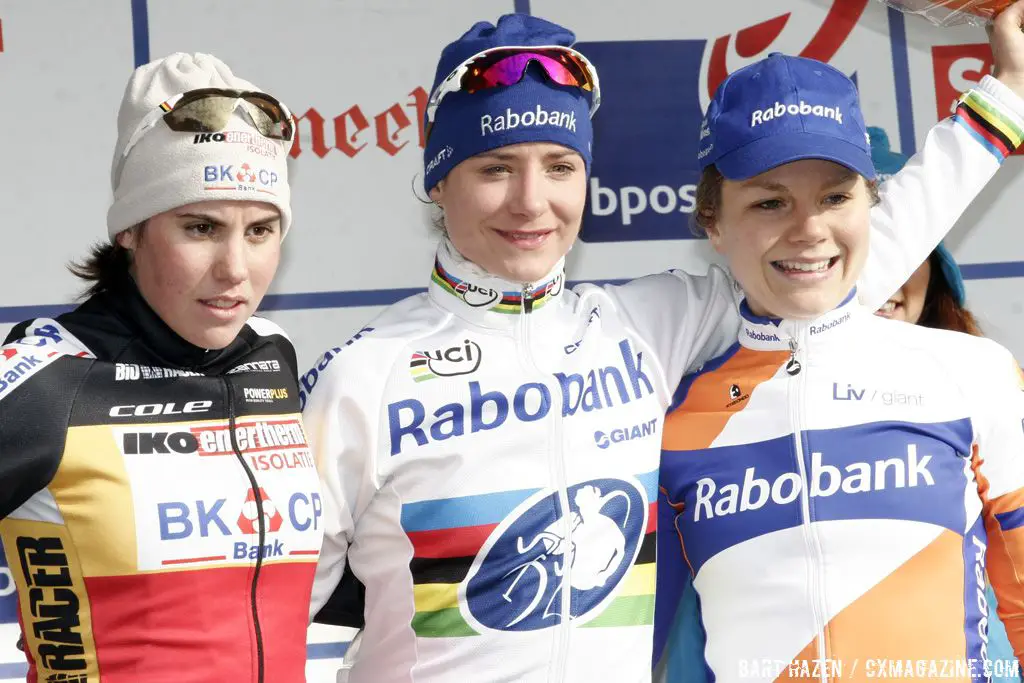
(261, 523)
(562, 633)
(798, 371)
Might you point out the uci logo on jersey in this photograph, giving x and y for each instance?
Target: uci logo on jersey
(462, 359)
(477, 297)
(518, 580)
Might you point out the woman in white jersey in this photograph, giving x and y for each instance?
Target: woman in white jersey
(490, 448)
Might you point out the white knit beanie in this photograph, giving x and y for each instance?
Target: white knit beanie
(165, 169)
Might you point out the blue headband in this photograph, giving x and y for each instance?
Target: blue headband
(533, 110)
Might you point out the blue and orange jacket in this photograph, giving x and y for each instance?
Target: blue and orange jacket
(836, 490)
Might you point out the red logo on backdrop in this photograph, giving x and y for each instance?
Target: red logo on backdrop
(958, 68)
(248, 518)
(754, 40)
(9, 354)
(350, 130)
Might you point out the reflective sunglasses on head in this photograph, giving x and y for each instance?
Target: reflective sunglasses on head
(501, 66)
(208, 110)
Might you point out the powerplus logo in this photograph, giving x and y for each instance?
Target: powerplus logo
(264, 394)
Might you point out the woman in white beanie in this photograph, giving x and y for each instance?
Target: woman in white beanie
(160, 510)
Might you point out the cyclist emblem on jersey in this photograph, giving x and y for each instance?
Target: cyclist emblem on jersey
(519, 579)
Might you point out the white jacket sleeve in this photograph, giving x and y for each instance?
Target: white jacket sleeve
(687, 319)
(683, 319)
(340, 417)
(923, 202)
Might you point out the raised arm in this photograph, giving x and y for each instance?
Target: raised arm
(923, 202)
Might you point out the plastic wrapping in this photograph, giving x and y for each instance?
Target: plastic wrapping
(951, 12)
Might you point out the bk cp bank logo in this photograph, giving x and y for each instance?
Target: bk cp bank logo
(644, 177)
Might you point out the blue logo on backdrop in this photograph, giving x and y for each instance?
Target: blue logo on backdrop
(8, 593)
(644, 176)
(517, 581)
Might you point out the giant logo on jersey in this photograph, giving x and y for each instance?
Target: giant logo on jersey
(545, 559)
(644, 176)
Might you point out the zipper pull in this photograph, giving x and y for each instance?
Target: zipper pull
(793, 366)
(527, 298)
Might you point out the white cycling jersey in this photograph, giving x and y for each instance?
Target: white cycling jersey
(489, 451)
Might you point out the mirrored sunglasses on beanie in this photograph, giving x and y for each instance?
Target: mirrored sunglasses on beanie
(209, 110)
(504, 66)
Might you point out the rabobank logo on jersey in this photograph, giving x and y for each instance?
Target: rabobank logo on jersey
(825, 480)
(411, 424)
(544, 558)
(889, 470)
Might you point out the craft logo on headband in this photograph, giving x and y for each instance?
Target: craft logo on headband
(644, 180)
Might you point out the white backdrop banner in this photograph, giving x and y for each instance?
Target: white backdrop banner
(357, 74)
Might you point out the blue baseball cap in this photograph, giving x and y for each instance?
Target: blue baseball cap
(784, 109)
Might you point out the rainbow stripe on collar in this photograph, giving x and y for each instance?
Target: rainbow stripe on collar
(493, 300)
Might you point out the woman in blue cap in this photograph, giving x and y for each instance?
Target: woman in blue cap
(489, 449)
(838, 516)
